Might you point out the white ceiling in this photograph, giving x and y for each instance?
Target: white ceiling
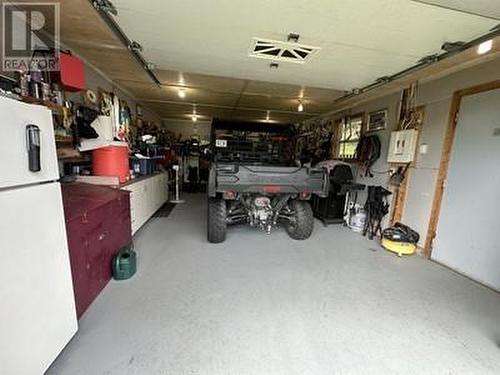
(360, 40)
(487, 8)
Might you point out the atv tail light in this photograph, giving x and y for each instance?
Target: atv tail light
(272, 189)
(229, 195)
(305, 195)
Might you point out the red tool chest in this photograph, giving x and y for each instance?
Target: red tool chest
(97, 225)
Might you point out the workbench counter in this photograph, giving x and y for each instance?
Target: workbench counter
(147, 195)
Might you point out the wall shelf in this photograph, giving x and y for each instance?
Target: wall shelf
(59, 109)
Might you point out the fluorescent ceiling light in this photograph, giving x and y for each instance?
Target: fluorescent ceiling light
(485, 47)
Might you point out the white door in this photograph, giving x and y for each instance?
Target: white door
(37, 308)
(14, 167)
(469, 226)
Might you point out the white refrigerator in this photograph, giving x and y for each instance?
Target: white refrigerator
(37, 308)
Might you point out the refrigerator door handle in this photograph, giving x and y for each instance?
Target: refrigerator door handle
(33, 147)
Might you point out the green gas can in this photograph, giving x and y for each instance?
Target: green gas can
(124, 264)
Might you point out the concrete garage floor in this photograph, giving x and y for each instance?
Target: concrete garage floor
(257, 304)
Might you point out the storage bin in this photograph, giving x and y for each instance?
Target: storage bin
(72, 72)
(111, 161)
(143, 167)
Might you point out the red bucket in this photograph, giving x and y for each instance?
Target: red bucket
(111, 161)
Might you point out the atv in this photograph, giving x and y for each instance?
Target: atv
(254, 180)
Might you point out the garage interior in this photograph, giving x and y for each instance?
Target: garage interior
(114, 166)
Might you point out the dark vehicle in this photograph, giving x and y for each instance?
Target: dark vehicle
(254, 179)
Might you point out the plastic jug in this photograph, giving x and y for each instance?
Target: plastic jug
(124, 264)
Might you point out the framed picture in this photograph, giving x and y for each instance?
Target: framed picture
(105, 101)
(377, 120)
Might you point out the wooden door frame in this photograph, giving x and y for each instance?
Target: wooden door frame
(401, 192)
(446, 157)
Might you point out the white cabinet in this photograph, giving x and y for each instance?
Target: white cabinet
(147, 195)
(402, 146)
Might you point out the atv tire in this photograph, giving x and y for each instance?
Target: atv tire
(302, 226)
(216, 221)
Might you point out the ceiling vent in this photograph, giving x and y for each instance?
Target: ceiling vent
(282, 51)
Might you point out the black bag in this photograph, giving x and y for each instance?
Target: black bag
(401, 233)
(84, 117)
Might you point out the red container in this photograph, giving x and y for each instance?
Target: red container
(111, 161)
(72, 72)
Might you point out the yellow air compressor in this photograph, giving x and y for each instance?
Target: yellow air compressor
(400, 239)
